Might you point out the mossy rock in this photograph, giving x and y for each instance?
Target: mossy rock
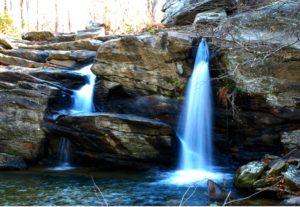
(247, 174)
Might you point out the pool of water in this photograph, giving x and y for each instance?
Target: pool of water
(76, 187)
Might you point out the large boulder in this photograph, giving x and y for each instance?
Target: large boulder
(38, 36)
(83, 56)
(11, 162)
(114, 140)
(148, 64)
(5, 43)
(183, 12)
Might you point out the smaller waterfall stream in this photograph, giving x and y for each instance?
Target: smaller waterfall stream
(83, 103)
(83, 98)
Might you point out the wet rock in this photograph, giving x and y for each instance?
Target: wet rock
(110, 140)
(277, 168)
(71, 64)
(291, 140)
(11, 162)
(129, 61)
(85, 44)
(292, 178)
(294, 201)
(247, 174)
(108, 37)
(211, 17)
(182, 12)
(38, 36)
(33, 55)
(266, 182)
(215, 192)
(10, 60)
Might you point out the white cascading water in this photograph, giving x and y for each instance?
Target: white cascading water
(195, 126)
(83, 103)
(83, 98)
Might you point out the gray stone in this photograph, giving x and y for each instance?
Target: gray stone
(294, 201)
(211, 17)
(291, 140)
(292, 178)
(33, 55)
(11, 162)
(182, 12)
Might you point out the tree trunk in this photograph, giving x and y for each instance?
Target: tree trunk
(5, 5)
(37, 15)
(56, 16)
(21, 13)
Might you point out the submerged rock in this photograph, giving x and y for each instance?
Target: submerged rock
(247, 174)
(11, 162)
(115, 140)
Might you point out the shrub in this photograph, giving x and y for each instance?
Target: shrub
(7, 24)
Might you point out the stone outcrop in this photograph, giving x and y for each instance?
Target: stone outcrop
(147, 64)
(38, 36)
(11, 162)
(10, 60)
(114, 140)
(25, 99)
(84, 44)
(183, 12)
(32, 55)
(259, 51)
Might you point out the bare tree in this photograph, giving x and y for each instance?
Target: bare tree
(56, 16)
(5, 5)
(37, 15)
(21, 13)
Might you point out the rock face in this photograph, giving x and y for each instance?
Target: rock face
(24, 101)
(11, 162)
(183, 12)
(147, 64)
(109, 140)
(260, 53)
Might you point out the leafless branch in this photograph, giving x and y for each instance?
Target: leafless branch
(98, 191)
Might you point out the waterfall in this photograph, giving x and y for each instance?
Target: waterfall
(195, 124)
(63, 152)
(195, 127)
(63, 155)
(83, 98)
